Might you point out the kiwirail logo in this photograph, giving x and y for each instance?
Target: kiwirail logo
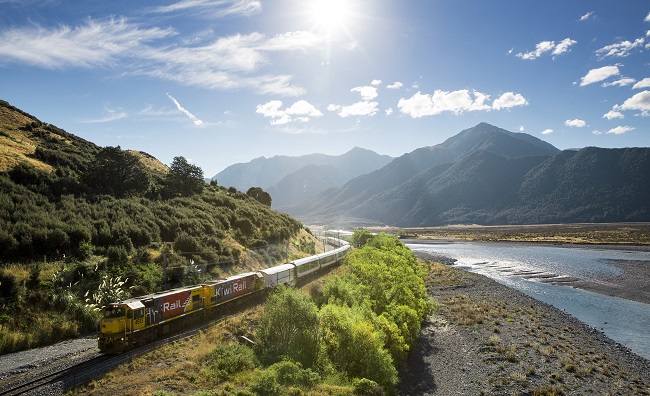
(176, 304)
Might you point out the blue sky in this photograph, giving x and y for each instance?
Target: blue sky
(226, 81)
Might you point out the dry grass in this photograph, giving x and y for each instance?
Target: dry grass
(614, 233)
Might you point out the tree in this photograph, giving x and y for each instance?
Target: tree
(260, 195)
(360, 237)
(355, 346)
(117, 172)
(289, 328)
(184, 179)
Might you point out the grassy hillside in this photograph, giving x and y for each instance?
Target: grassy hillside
(81, 225)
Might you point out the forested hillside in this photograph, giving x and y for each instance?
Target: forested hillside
(82, 224)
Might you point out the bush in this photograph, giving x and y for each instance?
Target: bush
(288, 328)
(366, 387)
(292, 373)
(355, 346)
(226, 360)
(8, 285)
(117, 254)
(265, 383)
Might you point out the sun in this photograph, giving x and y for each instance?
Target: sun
(330, 14)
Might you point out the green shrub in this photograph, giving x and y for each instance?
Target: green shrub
(366, 387)
(265, 383)
(117, 254)
(292, 373)
(226, 360)
(288, 328)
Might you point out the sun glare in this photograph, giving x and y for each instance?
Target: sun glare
(329, 14)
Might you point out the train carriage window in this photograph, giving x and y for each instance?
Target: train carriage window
(139, 313)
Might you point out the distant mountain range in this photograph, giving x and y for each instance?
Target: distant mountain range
(290, 180)
(487, 175)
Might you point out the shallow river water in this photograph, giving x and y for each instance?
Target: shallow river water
(625, 321)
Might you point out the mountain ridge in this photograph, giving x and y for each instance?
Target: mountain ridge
(488, 175)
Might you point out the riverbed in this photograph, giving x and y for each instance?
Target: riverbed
(604, 287)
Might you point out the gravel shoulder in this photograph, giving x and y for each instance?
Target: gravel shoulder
(487, 338)
(14, 365)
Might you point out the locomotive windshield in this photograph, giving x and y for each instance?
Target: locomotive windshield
(114, 312)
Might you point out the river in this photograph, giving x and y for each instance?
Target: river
(524, 267)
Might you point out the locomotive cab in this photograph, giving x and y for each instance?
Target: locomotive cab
(118, 323)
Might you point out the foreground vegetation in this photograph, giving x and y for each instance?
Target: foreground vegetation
(345, 336)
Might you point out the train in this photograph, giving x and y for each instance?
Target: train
(140, 320)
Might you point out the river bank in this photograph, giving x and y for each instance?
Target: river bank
(489, 339)
(633, 283)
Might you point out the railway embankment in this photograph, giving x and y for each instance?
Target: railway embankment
(488, 339)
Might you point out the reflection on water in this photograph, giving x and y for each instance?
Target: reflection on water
(522, 266)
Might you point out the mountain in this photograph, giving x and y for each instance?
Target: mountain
(487, 175)
(291, 179)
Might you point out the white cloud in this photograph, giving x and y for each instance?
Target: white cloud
(389, 111)
(457, 102)
(563, 46)
(619, 130)
(619, 50)
(94, 44)
(587, 16)
(645, 83)
(290, 41)
(395, 85)
(351, 46)
(219, 8)
(547, 131)
(300, 111)
(362, 108)
(647, 18)
(546, 46)
(639, 101)
(623, 82)
(521, 128)
(367, 93)
(420, 105)
(575, 123)
(508, 100)
(600, 74)
(613, 114)
(191, 116)
(540, 48)
(229, 62)
(375, 82)
(110, 114)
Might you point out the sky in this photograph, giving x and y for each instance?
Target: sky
(221, 82)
